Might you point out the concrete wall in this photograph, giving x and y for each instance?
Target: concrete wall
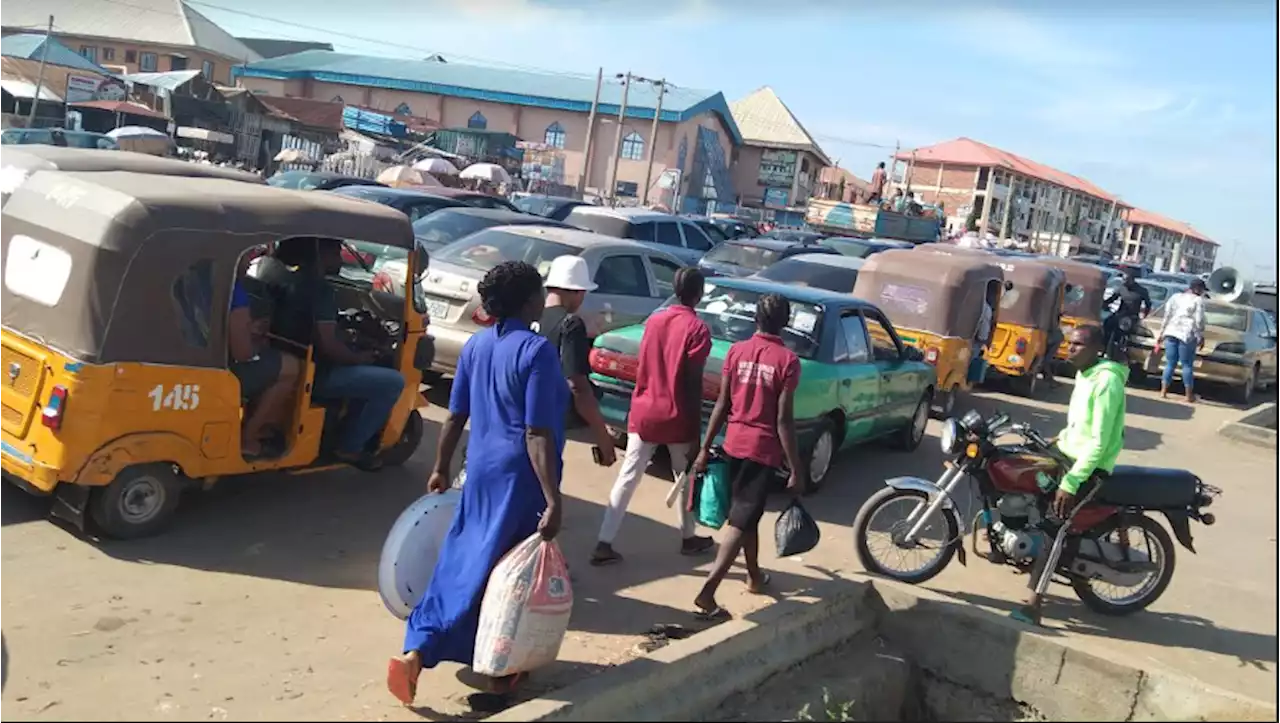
(120, 50)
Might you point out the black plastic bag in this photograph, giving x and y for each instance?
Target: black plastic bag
(795, 532)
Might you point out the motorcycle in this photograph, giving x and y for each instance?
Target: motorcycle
(1093, 550)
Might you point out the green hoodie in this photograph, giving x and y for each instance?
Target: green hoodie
(1095, 422)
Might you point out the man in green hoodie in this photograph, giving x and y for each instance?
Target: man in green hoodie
(1093, 438)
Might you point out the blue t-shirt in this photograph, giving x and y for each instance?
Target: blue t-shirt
(239, 297)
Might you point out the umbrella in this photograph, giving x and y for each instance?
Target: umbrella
(436, 166)
(136, 132)
(486, 172)
(406, 176)
(292, 155)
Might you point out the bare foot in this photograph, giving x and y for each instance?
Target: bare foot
(759, 585)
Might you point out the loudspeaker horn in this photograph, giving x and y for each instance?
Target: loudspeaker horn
(1226, 284)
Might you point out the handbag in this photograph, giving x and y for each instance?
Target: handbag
(711, 495)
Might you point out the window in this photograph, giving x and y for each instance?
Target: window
(851, 342)
(633, 147)
(90, 52)
(983, 174)
(695, 238)
(177, 62)
(668, 234)
(108, 54)
(730, 314)
(555, 136)
(883, 345)
(715, 233)
(193, 296)
(664, 273)
(37, 271)
(478, 121)
(485, 249)
(404, 109)
(130, 56)
(622, 276)
(148, 63)
(207, 68)
(642, 232)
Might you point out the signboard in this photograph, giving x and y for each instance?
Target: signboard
(777, 168)
(776, 197)
(81, 88)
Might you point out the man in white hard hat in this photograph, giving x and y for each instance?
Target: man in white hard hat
(568, 281)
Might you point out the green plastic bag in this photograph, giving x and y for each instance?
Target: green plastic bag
(714, 496)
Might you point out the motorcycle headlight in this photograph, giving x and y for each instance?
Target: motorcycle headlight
(950, 437)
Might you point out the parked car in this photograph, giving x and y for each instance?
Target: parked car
(414, 204)
(746, 256)
(674, 234)
(1171, 277)
(48, 137)
(633, 279)
(479, 199)
(794, 236)
(317, 180)
(450, 224)
(711, 229)
(552, 207)
(860, 248)
(858, 381)
(833, 272)
(1239, 348)
(735, 227)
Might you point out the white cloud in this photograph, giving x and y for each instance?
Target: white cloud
(1029, 41)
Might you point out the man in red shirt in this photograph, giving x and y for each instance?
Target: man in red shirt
(757, 397)
(666, 408)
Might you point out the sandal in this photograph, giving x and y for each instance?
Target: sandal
(402, 679)
(1026, 616)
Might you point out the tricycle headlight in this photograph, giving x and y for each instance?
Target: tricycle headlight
(950, 437)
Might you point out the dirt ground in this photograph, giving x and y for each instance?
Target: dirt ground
(260, 603)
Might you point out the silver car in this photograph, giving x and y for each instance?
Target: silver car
(633, 278)
(675, 234)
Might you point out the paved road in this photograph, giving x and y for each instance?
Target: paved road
(260, 603)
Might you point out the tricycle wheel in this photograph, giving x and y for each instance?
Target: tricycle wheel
(139, 502)
(1027, 384)
(399, 453)
(944, 406)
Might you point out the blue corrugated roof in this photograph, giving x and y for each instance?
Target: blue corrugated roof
(29, 46)
(542, 90)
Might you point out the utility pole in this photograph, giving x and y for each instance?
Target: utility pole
(44, 55)
(1011, 199)
(591, 134)
(653, 140)
(617, 141)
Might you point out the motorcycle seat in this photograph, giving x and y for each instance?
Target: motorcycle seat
(1148, 487)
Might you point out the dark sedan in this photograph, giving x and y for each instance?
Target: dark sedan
(450, 224)
(414, 204)
(793, 236)
(477, 199)
(861, 248)
(555, 208)
(317, 180)
(746, 256)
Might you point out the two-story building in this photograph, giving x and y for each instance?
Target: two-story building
(138, 36)
(994, 191)
(696, 133)
(1166, 244)
(779, 164)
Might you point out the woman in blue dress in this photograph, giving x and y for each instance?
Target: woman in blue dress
(510, 387)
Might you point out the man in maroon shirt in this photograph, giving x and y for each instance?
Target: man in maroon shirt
(666, 408)
(757, 397)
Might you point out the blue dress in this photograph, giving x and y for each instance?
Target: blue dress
(508, 379)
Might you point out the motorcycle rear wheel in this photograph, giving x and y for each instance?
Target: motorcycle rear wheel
(1095, 602)
(867, 513)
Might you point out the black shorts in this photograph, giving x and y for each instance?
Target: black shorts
(257, 374)
(750, 482)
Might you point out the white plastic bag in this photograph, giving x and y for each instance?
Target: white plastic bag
(525, 610)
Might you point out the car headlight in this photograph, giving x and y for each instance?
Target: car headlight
(950, 437)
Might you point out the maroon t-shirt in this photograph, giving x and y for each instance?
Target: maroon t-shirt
(674, 340)
(759, 370)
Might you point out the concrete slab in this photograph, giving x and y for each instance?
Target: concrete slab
(1256, 427)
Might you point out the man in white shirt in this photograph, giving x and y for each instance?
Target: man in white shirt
(1181, 334)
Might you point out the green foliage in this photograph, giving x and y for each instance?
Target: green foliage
(831, 710)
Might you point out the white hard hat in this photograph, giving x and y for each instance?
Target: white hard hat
(570, 273)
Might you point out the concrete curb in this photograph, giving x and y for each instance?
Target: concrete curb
(974, 648)
(1248, 428)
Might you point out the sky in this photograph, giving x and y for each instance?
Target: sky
(1170, 105)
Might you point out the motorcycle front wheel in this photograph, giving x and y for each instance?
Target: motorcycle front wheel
(1109, 599)
(883, 522)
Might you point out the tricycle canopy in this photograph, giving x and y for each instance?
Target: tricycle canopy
(1088, 288)
(932, 292)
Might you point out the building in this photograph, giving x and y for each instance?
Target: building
(66, 81)
(275, 48)
(138, 36)
(1167, 245)
(1011, 197)
(696, 133)
(779, 163)
(839, 184)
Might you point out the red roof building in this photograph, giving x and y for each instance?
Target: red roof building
(1168, 245)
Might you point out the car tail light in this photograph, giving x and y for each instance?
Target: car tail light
(931, 355)
(481, 318)
(614, 364)
(53, 412)
(1021, 346)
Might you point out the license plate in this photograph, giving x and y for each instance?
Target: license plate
(437, 310)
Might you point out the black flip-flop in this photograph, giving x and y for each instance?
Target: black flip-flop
(612, 558)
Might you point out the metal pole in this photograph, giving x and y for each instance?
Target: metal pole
(653, 140)
(44, 54)
(591, 134)
(617, 141)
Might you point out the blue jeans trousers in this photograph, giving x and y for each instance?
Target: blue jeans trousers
(1177, 351)
(371, 393)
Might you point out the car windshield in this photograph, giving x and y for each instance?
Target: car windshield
(91, 140)
(439, 229)
(799, 272)
(730, 314)
(294, 179)
(1222, 316)
(746, 256)
(851, 247)
(488, 248)
(379, 267)
(537, 205)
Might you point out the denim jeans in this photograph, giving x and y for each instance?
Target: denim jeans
(371, 393)
(1178, 351)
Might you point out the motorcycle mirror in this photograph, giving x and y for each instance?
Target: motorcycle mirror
(1008, 286)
